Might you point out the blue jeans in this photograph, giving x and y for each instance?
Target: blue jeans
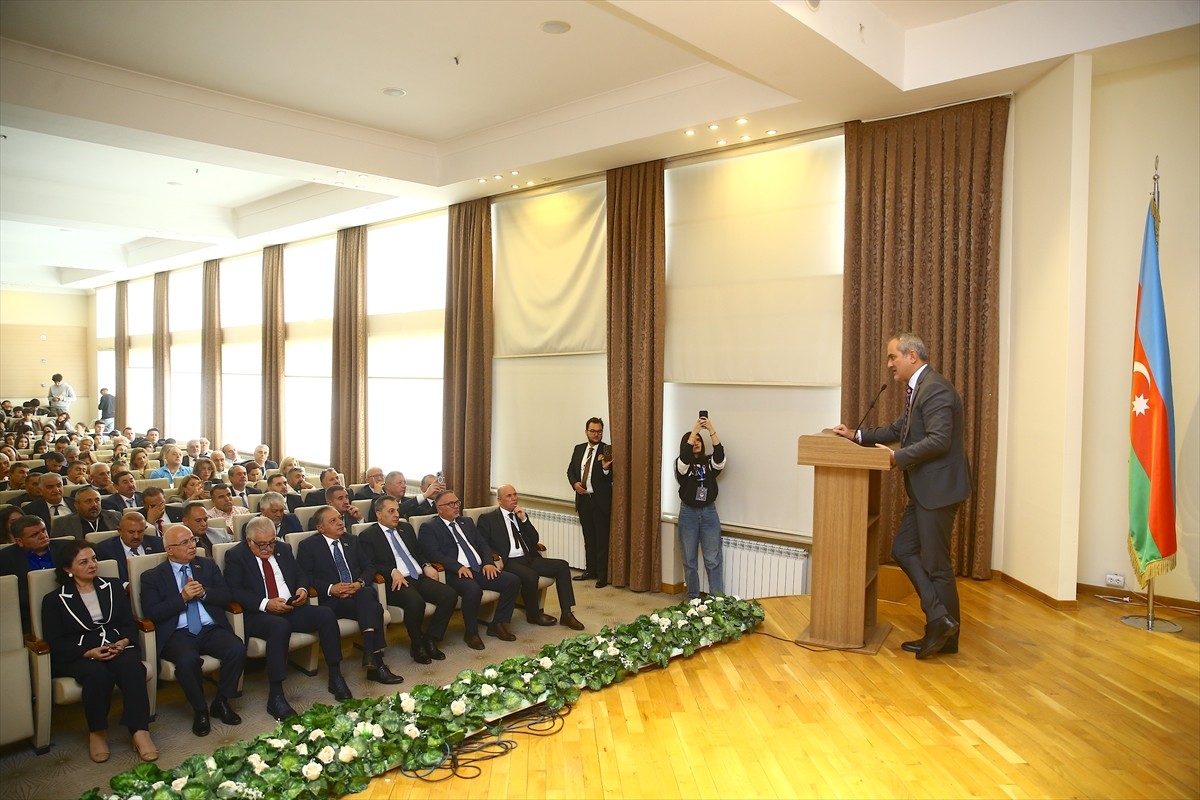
(701, 528)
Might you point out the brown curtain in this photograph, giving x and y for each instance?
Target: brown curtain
(121, 353)
(636, 332)
(210, 354)
(467, 386)
(273, 337)
(161, 349)
(348, 443)
(922, 254)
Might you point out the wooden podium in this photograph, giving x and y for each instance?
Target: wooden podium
(845, 551)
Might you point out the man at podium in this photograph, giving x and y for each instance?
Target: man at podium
(937, 480)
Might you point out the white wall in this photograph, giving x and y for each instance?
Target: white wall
(1137, 115)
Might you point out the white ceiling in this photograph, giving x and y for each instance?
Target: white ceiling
(150, 134)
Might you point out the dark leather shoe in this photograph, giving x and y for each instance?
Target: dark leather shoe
(279, 708)
(420, 654)
(382, 674)
(473, 641)
(940, 631)
(200, 723)
(949, 648)
(501, 632)
(434, 653)
(221, 710)
(584, 576)
(569, 620)
(339, 689)
(600, 584)
(544, 620)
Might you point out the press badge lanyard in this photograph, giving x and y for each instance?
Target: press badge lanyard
(701, 490)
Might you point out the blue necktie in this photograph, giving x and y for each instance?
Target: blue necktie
(340, 561)
(193, 611)
(413, 572)
(466, 548)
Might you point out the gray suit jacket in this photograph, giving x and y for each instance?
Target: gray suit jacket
(71, 524)
(931, 452)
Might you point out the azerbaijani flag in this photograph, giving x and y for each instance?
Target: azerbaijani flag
(1152, 544)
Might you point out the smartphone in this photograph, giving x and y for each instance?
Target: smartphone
(439, 476)
(703, 415)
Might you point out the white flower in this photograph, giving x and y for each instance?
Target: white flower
(346, 754)
(261, 767)
(158, 785)
(228, 786)
(411, 731)
(298, 728)
(613, 651)
(352, 714)
(487, 690)
(691, 612)
(459, 707)
(527, 676)
(695, 601)
(664, 624)
(702, 608)
(491, 674)
(210, 762)
(706, 620)
(735, 598)
(362, 728)
(545, 663)
(681, 623)
(597, 653)
(312, 770)
(316, 734)
(407, 704)
(278, 744)
(377, 731)
(326, 754)
(600, 640)
(655, 618)
(465, 679)
(302, 749)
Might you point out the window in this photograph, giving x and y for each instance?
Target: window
(308, 272)
(241, 351)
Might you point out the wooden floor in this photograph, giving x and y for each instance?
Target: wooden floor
(1038, 703)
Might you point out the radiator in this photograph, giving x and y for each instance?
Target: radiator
(757, 569)
(561, 534)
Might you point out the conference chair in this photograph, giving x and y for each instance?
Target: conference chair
(237, 525)
(305, 644)
(544, 583)
(96, 537)
(305, 515)
(69, 489)
(147, 634)
(252, 502)
(48, 691)
(487, 598)
(16, 702)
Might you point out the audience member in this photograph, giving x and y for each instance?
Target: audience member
(195, 516)
(52, 503)
(18, 476)
(254, 472)
(190, 453)
(8, 513)
(53, 463)
(77, 473)
(239, 486)
(32, 549)
(125, 495)
(204, 469)
(139, 459)
(329, 478)
(152, 436)
(218, 460)
(108, 411)
(337, 497)
(231, 453)
(131, 540)
(222, 504)
(172, 467)
(154, 509)
(374, 486)
(60, 396)
(262, 455)
(89, 517)
(189, 488)
(205, 448)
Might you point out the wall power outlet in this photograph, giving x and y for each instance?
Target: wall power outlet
(1115, 580)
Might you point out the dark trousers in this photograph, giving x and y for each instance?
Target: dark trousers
(98, 678)
(529, 569)
(412, 599)
(184, 650)
(363, 607)
(277, 629)
(593, 518)
(922, 549)
(471, 592)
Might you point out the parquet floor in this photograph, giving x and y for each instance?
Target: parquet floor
(1038, 703)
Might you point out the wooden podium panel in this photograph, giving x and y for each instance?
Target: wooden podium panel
(845, 551)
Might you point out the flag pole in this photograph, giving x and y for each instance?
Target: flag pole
(1150, 622)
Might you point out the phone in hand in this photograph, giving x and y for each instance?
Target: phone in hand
(294, 600)
(703, 415)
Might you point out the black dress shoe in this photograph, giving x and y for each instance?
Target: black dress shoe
(545, 620)
(473, 641)
(279, 708)
(600, 584)
(200, 723)
(569, 620)
(434, 653)
(584, 576)
(949, 648)
(382, 674)
(339, 689)
(939, 632)
(221, 710)
(501, 632)
(420, 654)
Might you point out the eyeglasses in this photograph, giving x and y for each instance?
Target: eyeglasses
(194, 542)
(450, 503)
(267, 545)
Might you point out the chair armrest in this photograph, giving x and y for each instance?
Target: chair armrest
(233, 608)
(37, 647)
(541, 548)
(437, 566)
(379, 578)
(144, 625)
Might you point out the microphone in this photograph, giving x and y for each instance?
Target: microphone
(882, 389)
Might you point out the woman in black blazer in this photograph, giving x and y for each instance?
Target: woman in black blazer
(89, 626)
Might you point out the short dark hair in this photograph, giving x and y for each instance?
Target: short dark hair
(330, 490)
(152, 491)
(121, 474)
(378, 502)
(18, 525)
(593, 420)
(56, 377)
(188, 506)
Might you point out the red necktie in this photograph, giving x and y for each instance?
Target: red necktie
(269, 577)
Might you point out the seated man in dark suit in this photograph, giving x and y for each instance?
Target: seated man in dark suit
(272, 506)
(52, 503)
(126, 494)
(278, 484)
(32, 549)
(131, 540)
(185, 598)
(395, 485)
(392, 548)
(100, 476)
(238, 485)
(17, 474)
(317, 497)
(155, 510)
(374, 487)
(270, 587)
(88, 517)
(262, 456)
(510, 532)
(338, 498)
(454, 541)
(345, 582)
(52, 462)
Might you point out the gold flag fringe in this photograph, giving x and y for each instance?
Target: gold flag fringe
(1153, 570)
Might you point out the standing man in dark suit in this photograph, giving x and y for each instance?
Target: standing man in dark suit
(131, 540)
(454, 541)
(32, 549)
(89, 517)
(185, 597)
(269, 585)
(510, 532)
(590, 475)
(395, 553)
(345, 581)
(937, 480)
(52, 503)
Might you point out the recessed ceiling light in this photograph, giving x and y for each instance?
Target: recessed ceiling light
(772, 132)
(722, 142)
(742, 121)
(529, 183)
(514, 186)
(363, 175)
(360, 186)
(514, 172)
(555, 26)
(483, 180)
(341, 172)
(497, 177)
(339, 183)
(393, 91)
(713, 127)
(745, 138)
(174, 183)
(689, 133)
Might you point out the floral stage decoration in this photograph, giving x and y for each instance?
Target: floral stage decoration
(330, 751)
